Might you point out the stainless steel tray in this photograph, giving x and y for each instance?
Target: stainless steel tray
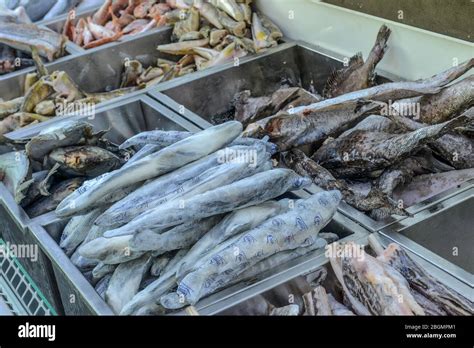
(98, 69)
(299, 285)
(72, 282)
(441, 233)
(198, 98)
(54, 272)
(127, 118)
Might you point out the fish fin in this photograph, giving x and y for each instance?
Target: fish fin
(42, 71)
(43, 186)
(339, 76)
(356, 61)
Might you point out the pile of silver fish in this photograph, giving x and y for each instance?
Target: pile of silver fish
(35, 10)
(47, 95)
(56, 162)
(391, 283)
(189, 214)
(359, 138)
(207, 34)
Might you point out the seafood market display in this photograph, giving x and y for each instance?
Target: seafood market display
(44, 170)
(48, 95)
(390, 283)
(196, 213)
(170, 220)
(370, 141)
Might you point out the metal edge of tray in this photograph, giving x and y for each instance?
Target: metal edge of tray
(16, 213)
(156, 92)
(441, 205)
(287, 43)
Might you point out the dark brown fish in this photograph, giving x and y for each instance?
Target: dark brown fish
(363, 152)
(295, 130)
(450, 102)
(305, 166)
(397, 90)
(358, 75)
(251, 109)
(422, 163)
(456, 148)
(90, 161)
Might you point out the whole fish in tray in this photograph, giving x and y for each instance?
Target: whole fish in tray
(62, 134)
(162, 162)
(423, 284)
(293, 130)
(395, 90)
(16, 174)
(240, 194)
(454, 148)
(179, 237)
(233, 224)
(89, 161)
(447, 104)
(211, 179)
(76, 231)
(372, 287)
(22, 36)
(305, 166)
(125, 282)
(422, 162)
(362, 153)
(58, 193)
